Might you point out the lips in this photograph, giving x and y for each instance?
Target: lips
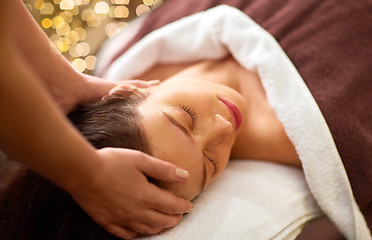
(234, 111)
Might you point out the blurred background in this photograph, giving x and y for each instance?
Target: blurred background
(78, 27)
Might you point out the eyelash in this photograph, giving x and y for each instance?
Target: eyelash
(215, 163)
(193, 116)
(189, 111)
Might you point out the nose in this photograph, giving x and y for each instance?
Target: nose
(218, 130)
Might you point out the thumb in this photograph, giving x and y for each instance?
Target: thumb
(161, 170)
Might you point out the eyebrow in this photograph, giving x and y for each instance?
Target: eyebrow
(184, 130)
(177, 124)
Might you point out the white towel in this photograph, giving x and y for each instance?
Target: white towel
(213, 34)
(249, 200)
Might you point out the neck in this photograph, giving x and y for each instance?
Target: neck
(262, 135)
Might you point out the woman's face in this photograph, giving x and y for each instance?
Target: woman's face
(193, 124)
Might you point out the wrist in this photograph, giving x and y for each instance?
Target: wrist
(84, 89)
(94, 88)
(82, 174)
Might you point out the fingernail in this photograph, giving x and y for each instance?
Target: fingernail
(105, 96)
(153, 82)
(182, 173)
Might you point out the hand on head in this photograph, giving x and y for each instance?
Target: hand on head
(121, 199)
(124, 202)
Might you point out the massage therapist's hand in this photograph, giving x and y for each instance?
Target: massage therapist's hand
(87, 88)
(123, 201)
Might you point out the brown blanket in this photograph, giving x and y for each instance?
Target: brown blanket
(330, 43)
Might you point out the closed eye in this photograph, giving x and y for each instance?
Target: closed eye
(214, 162)
(190, 112)
(173, 121)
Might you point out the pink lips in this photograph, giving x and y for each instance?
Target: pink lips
(234, 111)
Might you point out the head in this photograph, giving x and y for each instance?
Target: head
(188, 122)
(193, 124)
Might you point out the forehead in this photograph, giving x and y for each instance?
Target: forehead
(169, 143)
(165, 138)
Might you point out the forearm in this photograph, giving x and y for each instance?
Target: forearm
(67, 86)
(35, 132)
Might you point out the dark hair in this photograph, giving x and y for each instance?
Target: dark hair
(34, 208)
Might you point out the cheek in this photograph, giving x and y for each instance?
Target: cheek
(225, 153)
(190, 188)
(186, 190)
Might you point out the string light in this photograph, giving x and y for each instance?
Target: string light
(77, 27)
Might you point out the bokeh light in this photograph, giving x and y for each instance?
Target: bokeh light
(63, 29)
(39, 4)
(66, 4)
(78, 27)
(101, 8)
(120, 1)
(121, 12)
(141, 9)
(90, 62)
(29, 6)
(47, 9)
(148, 2)
(46, 23)
(79, 64)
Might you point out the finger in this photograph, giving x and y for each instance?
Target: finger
(150, 83)
(118, 88)
(157, 219)
(142, 83)
(130, 84)
(161, 170)
(121, 232)
(145, 229)
(166, 202)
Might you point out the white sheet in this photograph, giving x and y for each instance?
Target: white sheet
(214, 33)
